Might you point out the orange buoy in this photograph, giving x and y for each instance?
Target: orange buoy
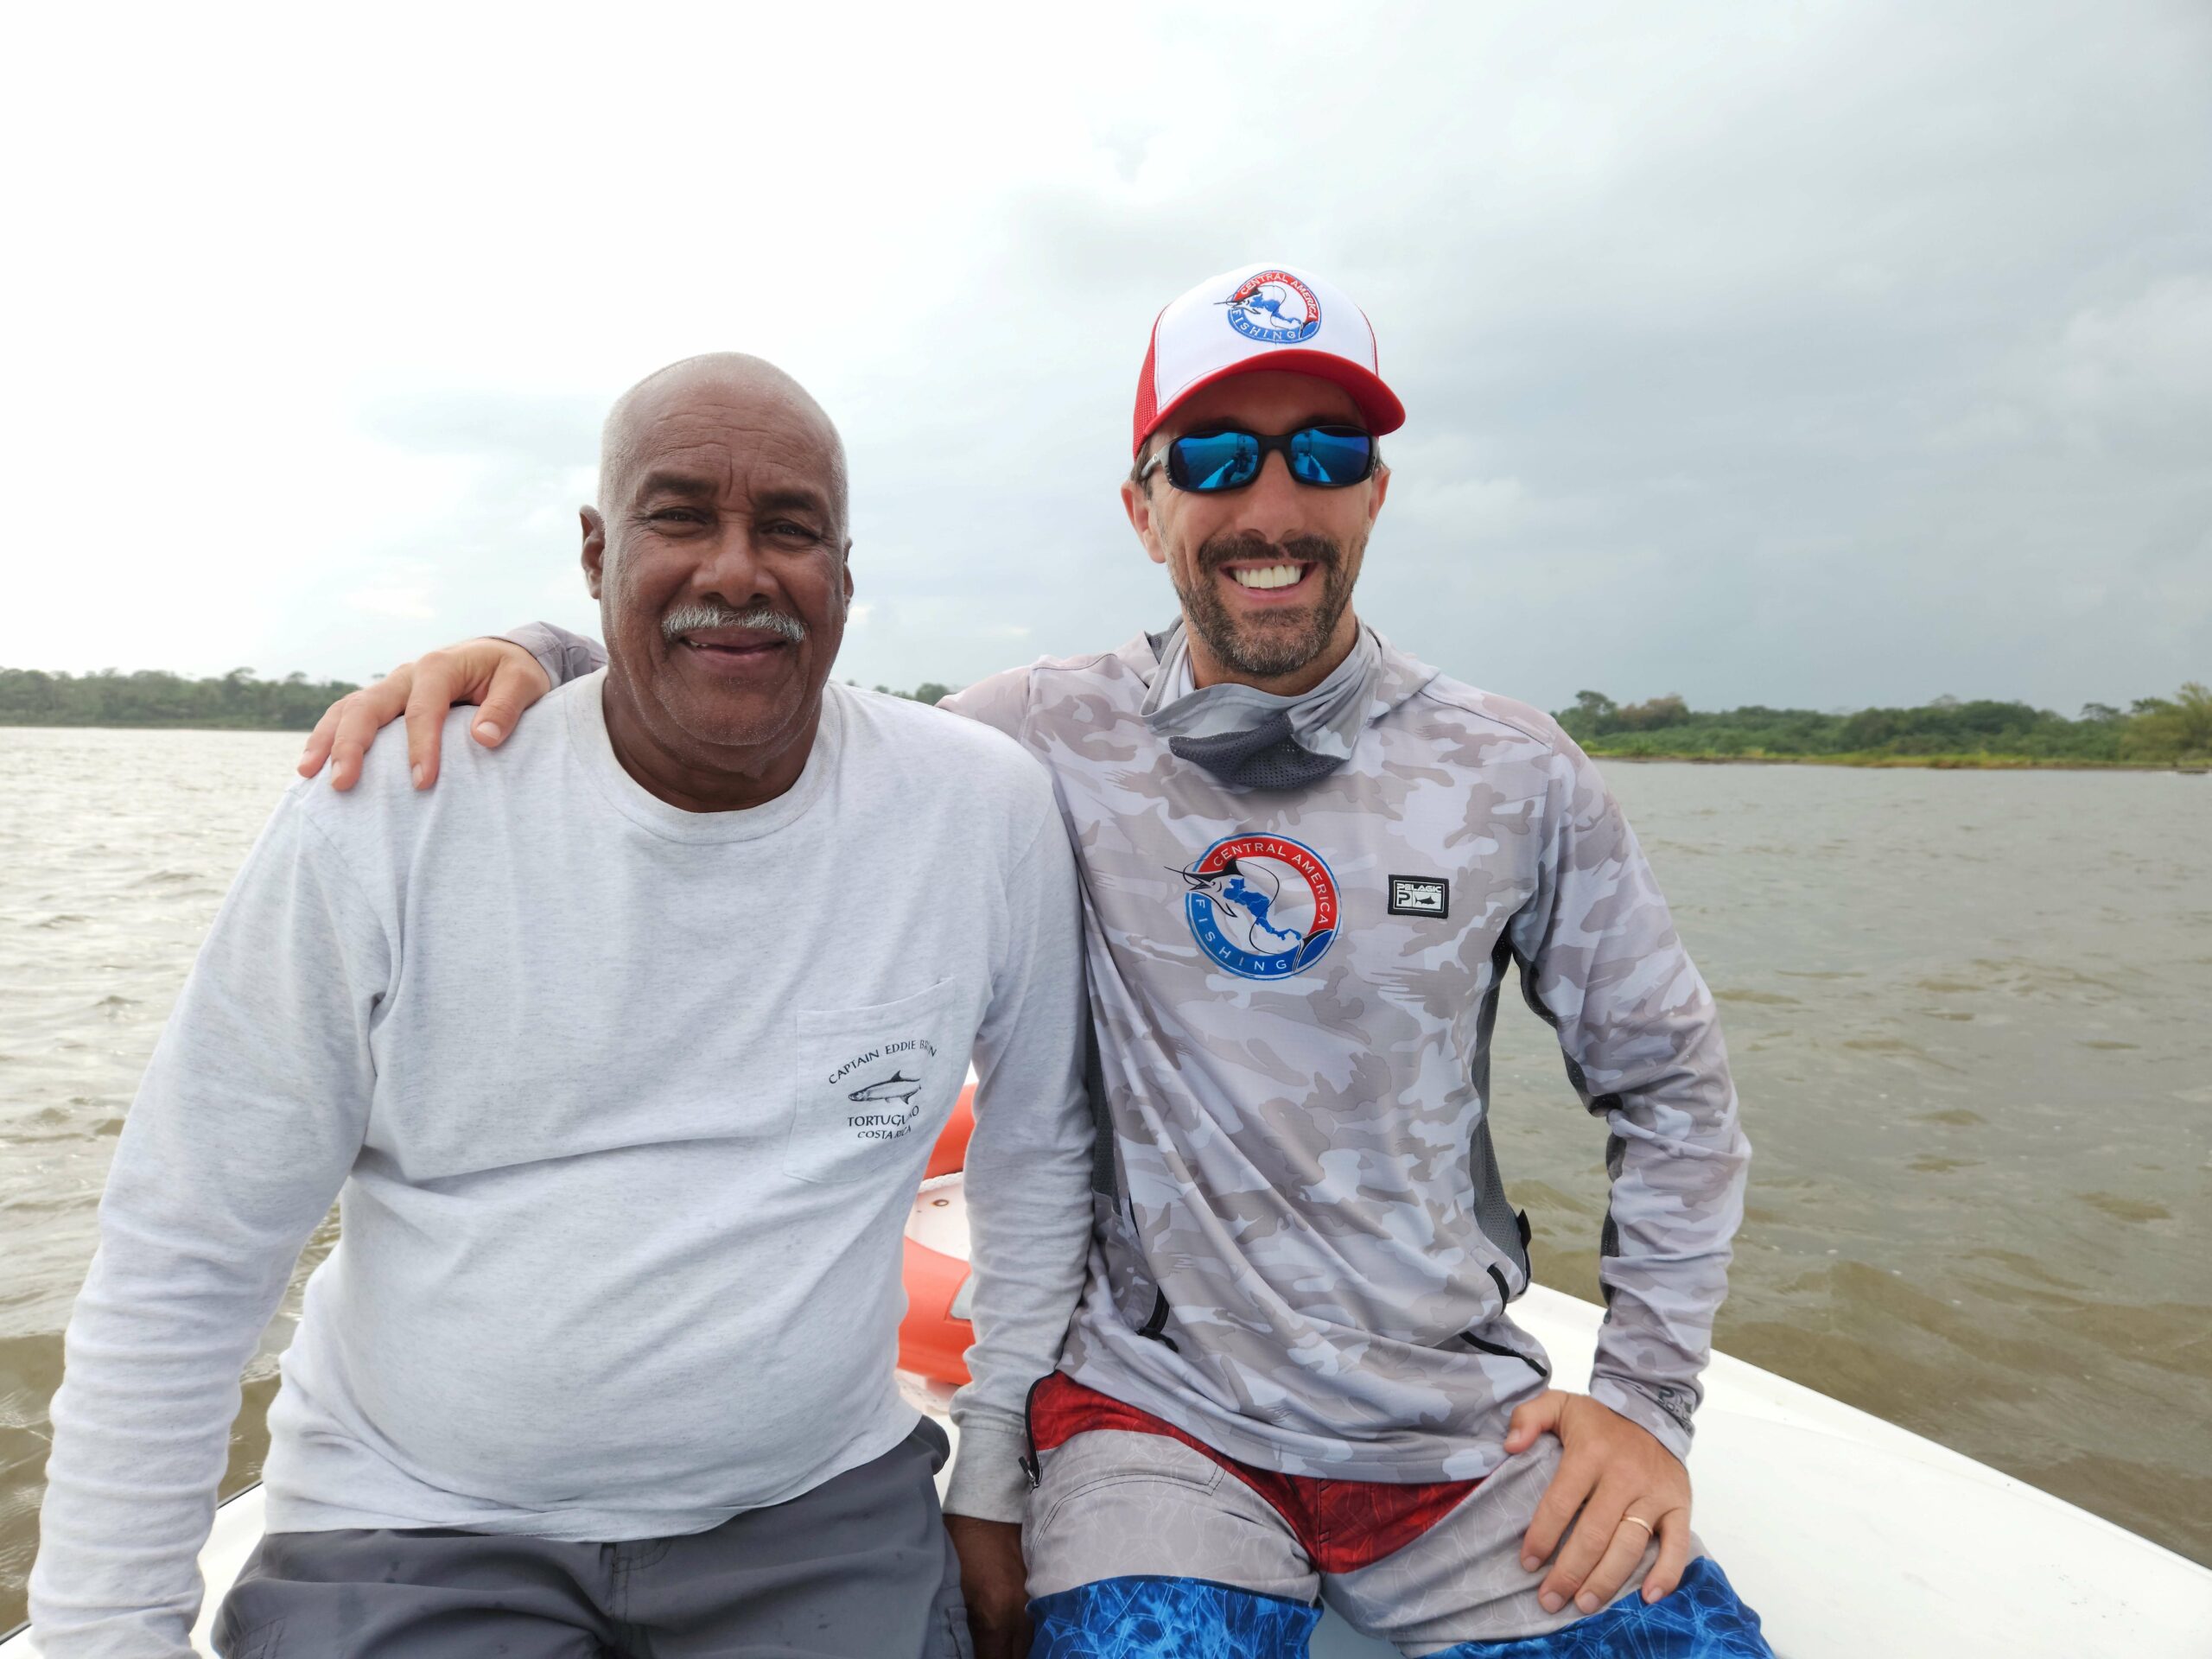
(950, 1153)
(932, 1340)
(932, 1343)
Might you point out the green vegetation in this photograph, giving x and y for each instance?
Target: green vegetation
(928, 692)
(2152, 731)
(239, 701)
(150, 697)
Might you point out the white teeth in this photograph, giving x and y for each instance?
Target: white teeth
(1272, 576)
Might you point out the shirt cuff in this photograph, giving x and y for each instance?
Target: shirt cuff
(544, 644)
(1644, 1410)
(988, 1482)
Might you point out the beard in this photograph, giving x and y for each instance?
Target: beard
(1276, 642)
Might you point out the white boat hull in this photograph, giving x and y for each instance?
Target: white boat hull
(1852, 1537)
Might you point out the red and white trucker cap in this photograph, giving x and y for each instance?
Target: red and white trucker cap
(1261, 317)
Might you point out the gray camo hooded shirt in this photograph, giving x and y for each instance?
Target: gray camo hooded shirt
(1303, 1252)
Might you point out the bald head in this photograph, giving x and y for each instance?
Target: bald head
(718, 555)
(750, 391)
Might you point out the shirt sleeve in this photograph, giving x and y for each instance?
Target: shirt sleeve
(1001, 700)
(1601, 961)
(562, 655)
(1028, 1175)
(245, 1128)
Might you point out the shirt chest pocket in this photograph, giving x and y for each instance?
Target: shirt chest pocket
(875, 1086)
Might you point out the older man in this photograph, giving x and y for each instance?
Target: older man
(623, 1054)
(1309, 862)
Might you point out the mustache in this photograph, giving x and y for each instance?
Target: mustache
(1217, 551)
(693, 614)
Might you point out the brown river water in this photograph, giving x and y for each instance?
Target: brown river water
(1971, 1017)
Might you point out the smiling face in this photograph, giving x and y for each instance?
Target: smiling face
(1265, 574)
(718, 556)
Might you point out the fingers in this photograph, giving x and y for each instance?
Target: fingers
(988, 1642)
(998, 1624)
(1006, 1638)
(1624, 1552)
(1593, 1532)
(516, 683)
(1673, 1556)
(1533, 1418)
(426, 717)
(358, 718)
(1571, 1484)
(318, 747)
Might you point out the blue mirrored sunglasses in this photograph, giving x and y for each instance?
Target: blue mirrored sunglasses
(1327, 457)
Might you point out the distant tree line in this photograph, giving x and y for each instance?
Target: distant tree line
(928, 692)
(2151, 730)
(29, 696)
(240, 701)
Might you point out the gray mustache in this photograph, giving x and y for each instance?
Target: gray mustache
(690, 615)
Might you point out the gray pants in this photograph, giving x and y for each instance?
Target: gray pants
(859, 1568)
(1119, 1504)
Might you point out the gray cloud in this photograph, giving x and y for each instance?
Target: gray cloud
(1822, 355)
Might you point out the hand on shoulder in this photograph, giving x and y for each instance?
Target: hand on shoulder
(498, 675)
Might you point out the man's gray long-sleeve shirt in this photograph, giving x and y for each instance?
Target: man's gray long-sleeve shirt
(1304, 1253)
(624, 1107)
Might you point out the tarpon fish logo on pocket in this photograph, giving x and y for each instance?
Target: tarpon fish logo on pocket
(874, 1085)
(896, 1091)
(895, 1087)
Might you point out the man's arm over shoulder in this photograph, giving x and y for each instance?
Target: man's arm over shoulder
(562, 655)
(1601, 961)
(249, 1117)
(1001, 700)
(1028, 1172)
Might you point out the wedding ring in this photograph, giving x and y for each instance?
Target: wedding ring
(1631, 1521)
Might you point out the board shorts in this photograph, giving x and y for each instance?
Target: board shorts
(1143, 1543)
(858, 1568)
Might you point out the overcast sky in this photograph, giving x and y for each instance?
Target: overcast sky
(1820, 354)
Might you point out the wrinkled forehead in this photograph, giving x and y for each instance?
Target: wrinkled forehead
(738, 439)
(1266, 400)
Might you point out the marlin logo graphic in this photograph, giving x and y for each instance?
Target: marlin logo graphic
(1208, 882)
(1238, 894)
(895, 1087)
(1260, 907)
(1269, 302)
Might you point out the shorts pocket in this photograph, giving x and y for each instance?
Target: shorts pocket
(873, 1086)
(949, 1637)
(1081, 1484)
(259, 1643)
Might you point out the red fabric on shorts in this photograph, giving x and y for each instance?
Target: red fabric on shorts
(1343, 1525)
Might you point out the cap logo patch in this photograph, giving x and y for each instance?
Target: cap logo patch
(1274, 308)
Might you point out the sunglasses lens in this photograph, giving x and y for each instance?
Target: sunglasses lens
(1218, 461)
(1331, 456)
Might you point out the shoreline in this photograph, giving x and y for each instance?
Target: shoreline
(139, 726)
(1860, 760)
(1914, 762)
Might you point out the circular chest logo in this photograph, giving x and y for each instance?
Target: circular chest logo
(1274, 308)
(1263, 906)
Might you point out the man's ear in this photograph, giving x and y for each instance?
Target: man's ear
(595, 548)
(1136, 501)
(1381, 488)
(848, 573)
